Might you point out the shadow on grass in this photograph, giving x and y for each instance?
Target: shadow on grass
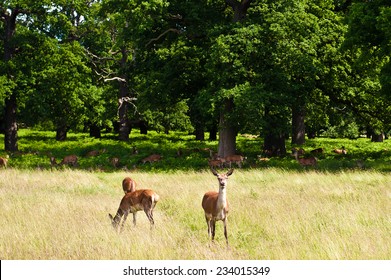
(181, 151)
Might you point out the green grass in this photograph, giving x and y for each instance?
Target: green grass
(275, 214)
(36, 147)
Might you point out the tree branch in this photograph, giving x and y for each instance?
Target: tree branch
(161, 35)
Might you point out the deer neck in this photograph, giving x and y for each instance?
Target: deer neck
(222, 198)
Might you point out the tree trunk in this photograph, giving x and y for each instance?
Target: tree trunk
(377, 137)
(213, 133)
(274, 140)
(298, 126)
(95, 131)
(11, 126)
(10, 118)
(61, 133)
(199, 133)
(124, 124)
(274, 145)
(143, 127)
(227, 133)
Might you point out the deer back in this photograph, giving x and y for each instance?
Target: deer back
(138, 200)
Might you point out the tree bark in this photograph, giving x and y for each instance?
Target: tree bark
(274, 141)
(227, 133)
(124, 124)
(95, 131)
(11, 126)
(377, 137)
(61, 133)
(298, 125)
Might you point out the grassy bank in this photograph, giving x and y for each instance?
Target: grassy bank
(275, 214)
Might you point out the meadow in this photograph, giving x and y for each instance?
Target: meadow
(334, 211)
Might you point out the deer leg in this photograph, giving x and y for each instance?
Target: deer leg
(123, 222)
(213, 222)
(134, 218)
(209, 227)
(225, 230)
(149, 214)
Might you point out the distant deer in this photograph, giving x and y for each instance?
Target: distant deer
(3, 162)
(152, 158)
(70, 160)
(115, 162)
(238, 159)
(341, 151)
(310, 161)
(218, 162)
(128, 185)
(133, 202)
(95, 153)
(215, 205)
(317, 151)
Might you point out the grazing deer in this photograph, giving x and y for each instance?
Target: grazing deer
(70, 160)
(151, 158)
(3, 162)
(215, 205)
(310, 161)
(131, 203)
(128, 185)
(238, 159)
(341, 151)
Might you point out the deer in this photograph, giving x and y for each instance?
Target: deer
(3, 162)
(132, 202)
(218, 162)
(70, 160)
(128, 185)
(310, 161)
(114, 162)
(215, 205)
(317, 151)
(238, 159)
(95, 153)
(151, 158)
(341, 151)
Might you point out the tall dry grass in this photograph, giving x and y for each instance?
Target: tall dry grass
(274, 214)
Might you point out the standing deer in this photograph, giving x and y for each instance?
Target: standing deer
(310, 161)
(128, 185)
(215, 205)
(238, 159)
(133, 202)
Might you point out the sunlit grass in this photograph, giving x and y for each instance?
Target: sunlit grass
(275, 214)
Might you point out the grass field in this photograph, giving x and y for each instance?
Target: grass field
(275, 214)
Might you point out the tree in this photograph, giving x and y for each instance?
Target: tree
(369, 38)
(121, 31)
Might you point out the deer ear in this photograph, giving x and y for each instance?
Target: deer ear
(214, 172)
(111, 217)
(230, 172)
